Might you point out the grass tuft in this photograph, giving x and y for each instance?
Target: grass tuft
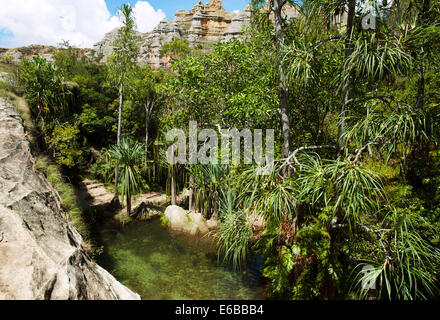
(67, 193)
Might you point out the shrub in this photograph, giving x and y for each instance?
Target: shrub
(66, 147)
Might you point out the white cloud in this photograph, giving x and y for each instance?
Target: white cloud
(82, 22)
(146, 17)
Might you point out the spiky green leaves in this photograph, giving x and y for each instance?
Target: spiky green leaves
(129, 154)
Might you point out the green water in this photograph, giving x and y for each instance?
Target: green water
(159, 265)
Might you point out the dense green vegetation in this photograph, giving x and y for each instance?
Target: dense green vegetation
(356, 182)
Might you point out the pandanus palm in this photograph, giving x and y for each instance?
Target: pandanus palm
(129, 154)
(209, 181)
(121, 64)
(44, 87)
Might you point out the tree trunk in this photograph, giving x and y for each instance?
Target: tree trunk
(422, 19)
(147, 123)
(116, 199)
(173, 182)
(421, 89)
(346, 92)
(191, 194)
(128, 204)
(148, 111)
(283, 93)
(283, 90)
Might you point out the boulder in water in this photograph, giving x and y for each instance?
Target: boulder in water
(189, 222)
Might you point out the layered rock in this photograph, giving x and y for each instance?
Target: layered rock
(207, 23)
(152, 43)
(204, 24)
(18, 54)
(105, 47)
(47, 52)
(235, 29)
(41, 254)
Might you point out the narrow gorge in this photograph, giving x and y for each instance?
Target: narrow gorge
(44, 253)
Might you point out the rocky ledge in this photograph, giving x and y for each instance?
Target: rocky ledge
(41, 254)
(205, 24)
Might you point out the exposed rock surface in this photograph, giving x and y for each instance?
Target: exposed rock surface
(47, 52)
(4, 77)
(41, 254)
(189, 222)
(204, 24)
(18, 54)
(235, 29)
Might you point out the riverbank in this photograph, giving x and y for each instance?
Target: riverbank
(44, 254)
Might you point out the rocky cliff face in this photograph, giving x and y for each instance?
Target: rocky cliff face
(18, 54)
(47, 52)
(41, 254)
(204, 24)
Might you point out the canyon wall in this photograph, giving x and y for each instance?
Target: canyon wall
(41, 255)
(204, 24)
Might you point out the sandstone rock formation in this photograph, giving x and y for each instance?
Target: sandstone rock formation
(189, 222)
(47, 52)
(204, 24)
(17, 54)
(235, 29)
(41, 254)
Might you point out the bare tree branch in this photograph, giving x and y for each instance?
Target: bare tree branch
(317, 44)
(360, 151)
(288, 162)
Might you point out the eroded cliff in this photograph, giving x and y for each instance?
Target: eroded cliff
(204, 24)
(41, 254)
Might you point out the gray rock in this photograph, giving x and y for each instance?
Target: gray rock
(105, 47)
(13, 55)
(205, 23)
(42, 256)
(235, 29)
(4, 76)
(188, 222)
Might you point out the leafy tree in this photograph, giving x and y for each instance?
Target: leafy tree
(176, 49)
(232, 87)
(314, 217)
(145, 99)
(94, 123)
(69, 61)
(276, 7)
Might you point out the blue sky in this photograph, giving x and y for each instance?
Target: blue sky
(169, 7)
(82, 22)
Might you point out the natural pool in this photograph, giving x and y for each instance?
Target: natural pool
(160, 265)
